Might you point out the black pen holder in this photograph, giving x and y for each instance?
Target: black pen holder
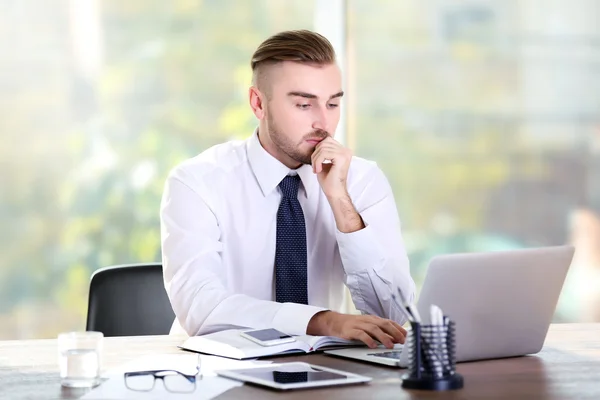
(432, 358)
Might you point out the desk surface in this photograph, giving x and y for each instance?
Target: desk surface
(567, 368)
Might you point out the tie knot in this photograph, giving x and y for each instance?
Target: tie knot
(289, 186)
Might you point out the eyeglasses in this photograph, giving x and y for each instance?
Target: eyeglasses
(173, 381)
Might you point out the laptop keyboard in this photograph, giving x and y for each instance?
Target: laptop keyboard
(388, 354)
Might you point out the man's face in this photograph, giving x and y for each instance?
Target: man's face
(303, 108)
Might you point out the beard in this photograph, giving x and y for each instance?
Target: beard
(292, 150)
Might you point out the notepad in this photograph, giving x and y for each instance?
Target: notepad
(230, 344)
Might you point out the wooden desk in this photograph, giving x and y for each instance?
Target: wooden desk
(567, 368)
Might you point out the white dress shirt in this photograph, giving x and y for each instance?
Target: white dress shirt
(218, 221)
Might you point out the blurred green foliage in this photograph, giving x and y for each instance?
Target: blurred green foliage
(85, 153)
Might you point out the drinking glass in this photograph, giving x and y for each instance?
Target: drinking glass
(79, 357)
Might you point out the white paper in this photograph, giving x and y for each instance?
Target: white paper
(185, 363)
(208, 385)
(210, 364)
(206, 388)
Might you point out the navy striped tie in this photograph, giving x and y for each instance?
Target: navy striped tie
(290, 247)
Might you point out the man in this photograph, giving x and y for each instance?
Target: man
(264, 233)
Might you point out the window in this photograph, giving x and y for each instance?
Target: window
(484, 115)
(100, 99)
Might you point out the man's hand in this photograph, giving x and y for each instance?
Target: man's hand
(366, 328)
(333, 175)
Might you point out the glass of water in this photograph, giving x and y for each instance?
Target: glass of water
(79, 358)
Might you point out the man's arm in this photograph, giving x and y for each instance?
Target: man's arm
(195, 276)
(333, 178)
(368, 231)
(371, 249)
(347, 219)
(374, 258)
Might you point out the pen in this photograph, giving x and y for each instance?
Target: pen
(437, 316)
(403, 310)
(410, 307)
(413, 310)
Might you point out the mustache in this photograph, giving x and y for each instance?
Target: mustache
(317, 134)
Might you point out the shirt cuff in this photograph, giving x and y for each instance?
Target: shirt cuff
(360, 250)
(293, 318)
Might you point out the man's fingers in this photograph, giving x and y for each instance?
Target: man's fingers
(327, 149)
(375, 332)
(319, 156)
(397, 333)
(329, 145)
(392, 328)
(330, 141)
(400, 328)
(365, 338)
(371, 329)
(317, 160)
(313, 159)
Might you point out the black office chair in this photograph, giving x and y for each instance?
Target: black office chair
(129, 300)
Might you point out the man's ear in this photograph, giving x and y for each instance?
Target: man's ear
(257, 102)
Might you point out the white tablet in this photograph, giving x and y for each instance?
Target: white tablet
(293, 375)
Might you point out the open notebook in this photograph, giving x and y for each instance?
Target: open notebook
(230, 344)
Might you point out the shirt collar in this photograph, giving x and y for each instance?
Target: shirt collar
(269, 171)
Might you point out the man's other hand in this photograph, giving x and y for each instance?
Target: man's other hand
(366, 328)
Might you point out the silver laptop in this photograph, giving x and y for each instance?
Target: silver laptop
(502, 302)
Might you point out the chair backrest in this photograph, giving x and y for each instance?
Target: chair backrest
(129, 300)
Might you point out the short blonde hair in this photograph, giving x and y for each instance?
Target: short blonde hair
(302, 46)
